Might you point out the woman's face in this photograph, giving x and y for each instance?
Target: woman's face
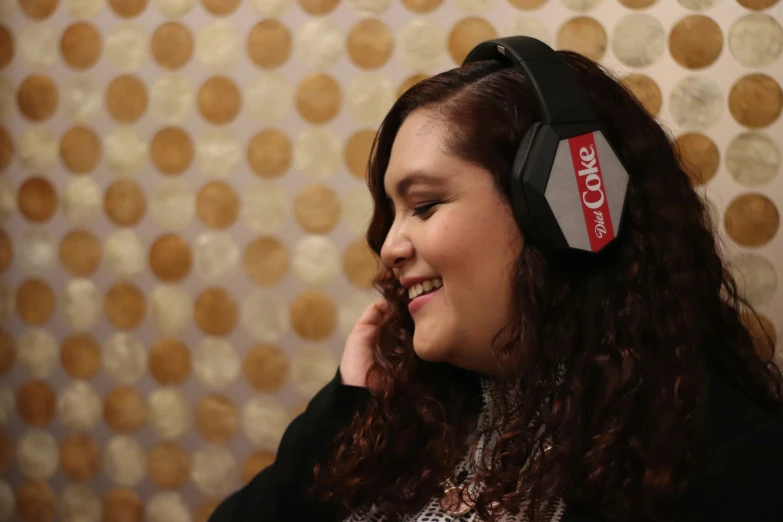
(452, 228)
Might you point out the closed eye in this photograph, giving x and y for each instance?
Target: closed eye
(423, 209)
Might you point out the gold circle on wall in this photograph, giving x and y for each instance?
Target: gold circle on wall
(81, 45)
(317, 208)
(313, 315)
(122, 505)
(124, 202)
(700, 155)
(696, 41)
(124, 410)
(217, 205)
(318, 98)
(409, 82)
(763, 333)
(266, 261)
(124, 305)
(172, 45)
(80, 149)
(646, 91)
(584, 35)
(35, 301)
(169, 361)
(37, 97)
(38, 9)
(219, 100)
(220, 7)
(6, 47)
(6, 148)
(357, 152)
(37, 199)
(171, 257)
(205, 509)
(755, 100)
(6, 451)
(80, 356)
(6, 251)
(169, 465)
(370, 43)
(360, 263)
(423, 6)
(36, 403)
(126, 98)
(128, 8)
(466, 34)
(35, 502)
(269, 44)
(269, 153)
(318, 7)
(751, 220)
(80, 253)
(171, 150)
(216, 311)
(255, 462)
(266, 368)
(217, 418)
(757, 5)
(637, 4)
(80, 457)
(7, 352)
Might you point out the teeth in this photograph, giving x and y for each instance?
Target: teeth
(418, 289)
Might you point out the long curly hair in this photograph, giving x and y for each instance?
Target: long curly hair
(607, 358)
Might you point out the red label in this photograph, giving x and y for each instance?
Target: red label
(590, 181)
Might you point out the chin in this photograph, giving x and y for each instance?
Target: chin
(430, 351)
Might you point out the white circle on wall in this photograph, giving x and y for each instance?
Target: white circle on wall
(312, 367)
(216, 363)
(38, 44)
(37, 352)
(265, 207)
(756, 40)
(271, 8)
(170, 414)
(37, 454)
(167, 506)
(316, 260)
(639, 40)
(79, 406)
(317, 152)
(269, 97)
(81, 304)
(172, 98)
(124, 461)
(124, 253)
(264, 315)
(216, 256)
(125, 150)
(756, 277)
(83, 8)
(421, 45)
(37, 148)
(37, 250)
(369, 7)
(125, 358)
(370, 96)
(81, 98)
(214, 471)
(527, 26)
(218, 152)
(173, 204)
(696, 103)
(126, 47)
(218, 45)
(171, 309)
(264, 420)
(81, 201)
(319, 43)
(79, 503)
(753, 159)
(174, 8)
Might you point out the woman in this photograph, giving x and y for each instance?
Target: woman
(500, 379)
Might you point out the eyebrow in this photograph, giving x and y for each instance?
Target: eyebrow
(417, 177)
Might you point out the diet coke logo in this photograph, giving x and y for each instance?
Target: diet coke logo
(589, 179)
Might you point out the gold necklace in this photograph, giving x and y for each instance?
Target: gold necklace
(452, 500)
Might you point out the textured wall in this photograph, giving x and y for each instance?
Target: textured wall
(182, 205)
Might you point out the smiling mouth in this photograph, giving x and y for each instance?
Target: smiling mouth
(424, 288)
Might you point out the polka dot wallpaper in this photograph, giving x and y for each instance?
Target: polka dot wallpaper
(183, 204)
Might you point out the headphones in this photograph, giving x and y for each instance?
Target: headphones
(568, 184)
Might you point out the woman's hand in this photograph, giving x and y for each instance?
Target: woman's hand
(359, 350)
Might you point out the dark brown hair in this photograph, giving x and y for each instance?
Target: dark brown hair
(631, 332)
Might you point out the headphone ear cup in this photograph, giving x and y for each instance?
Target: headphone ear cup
(518, 201)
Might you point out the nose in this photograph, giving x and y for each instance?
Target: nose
(397, 248)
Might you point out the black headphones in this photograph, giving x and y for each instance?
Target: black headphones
(568, 184)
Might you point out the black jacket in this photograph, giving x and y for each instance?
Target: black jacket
(741, 477)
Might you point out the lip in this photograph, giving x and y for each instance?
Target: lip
(408, 282)
(422, 300)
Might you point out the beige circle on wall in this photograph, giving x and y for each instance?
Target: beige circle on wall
(216, 363)
(124, 461)
(79, 502)
(81, 98)
(367, 8)
(220, 7)
(7, 352)
(265, 315)
(218, 152)
(171, 98)
(81, 304)
(35, 301)
(169, 361)
(80, 253)
(124, 202)
(270, 97)
(696, 103)
(217, 205)
(218, 45)
(756, 278)
(753, 159)
(37, 199)
(756, 40)
(128, 8)
(171, 308)
(124, 356)
(265, 207)
(646, 91)
(80, 457)
(37, 454)
(173, 204)
(169, 412)
(125, 150)
(167, 506)
(36, 403)
(171, 150)
(37, 148)
(124, 410)
(423, 6)
(174, 8)
(122, 505)
(38, 44)
(80, 149)
(317, 152)
(696, 41)
(37, 97)
(37, 250)
(169, 465)
(755, 100)
(219, 100)
(313, 315)
(216, 256)
(264, 420)
(171, 258)
(214, 471)
(266, 368)
(35, 501)
(318, 98)
(269, 44)
(37, 352)
(700, 155)
(360, 263)
(83, 8)
(216, 311)
(126, 98)
(421, 45)
(256, 462)
(38, 9)
(358, 209)
(266, 261)
(319, 43)
(466, 34)
(312, 367)
(269, 153)
(80, 406)
(217, 418)
(172, 45)
(316, 260)
(584, 35)
(751, 220)
(357, 151)
(80, 356)
(318, 7)
(124, 253)
(370, 43)
(124, 305)
(370, 96)
(126, 46)
(757, 5)
(80, 45)
(638, 40)
(317, 208)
